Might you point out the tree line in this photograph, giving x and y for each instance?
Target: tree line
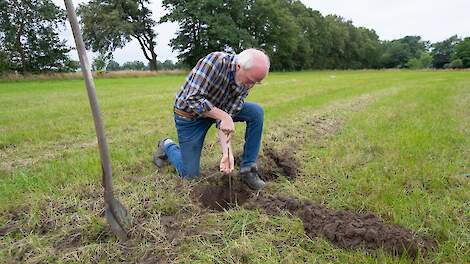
(294, 36)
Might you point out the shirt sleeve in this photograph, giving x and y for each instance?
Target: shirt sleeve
(199, 84)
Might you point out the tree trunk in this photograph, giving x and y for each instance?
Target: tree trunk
(148, 44)
(153, 61)
(20, 49)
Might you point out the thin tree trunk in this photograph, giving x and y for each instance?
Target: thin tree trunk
(153, 61)
(19, 47)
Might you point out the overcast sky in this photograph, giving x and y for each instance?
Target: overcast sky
(433, 20)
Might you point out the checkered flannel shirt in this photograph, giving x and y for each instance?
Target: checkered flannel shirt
(212, 83)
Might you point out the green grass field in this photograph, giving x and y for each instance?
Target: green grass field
(392, 143)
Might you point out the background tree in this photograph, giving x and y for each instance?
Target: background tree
(111, 24)
(113, 66)
(309, 52)
(205, 26)
(134, 66)
(3, 62)
(442, 52)
(462, 52)
(274, 29)
(166, 65)
(398, 52)
(29, 33)
(294, 36)
(424, 61)
(454, 64)
(100, 62)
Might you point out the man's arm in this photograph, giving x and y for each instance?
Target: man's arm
(226, 124)
(227, 161)
(225, 133)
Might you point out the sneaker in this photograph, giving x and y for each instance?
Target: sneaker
(159, 157)
(249, 175)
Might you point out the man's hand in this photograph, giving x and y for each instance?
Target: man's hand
(227, 162)
(228, 127)
(226, 122)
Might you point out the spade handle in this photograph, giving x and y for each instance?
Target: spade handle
(95, 109)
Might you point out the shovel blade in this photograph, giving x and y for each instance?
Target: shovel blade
(118, 218)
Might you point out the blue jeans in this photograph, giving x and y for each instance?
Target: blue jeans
(191, 133)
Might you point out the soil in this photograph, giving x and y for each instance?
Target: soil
(273, 164)
(344, 229)
(347, 229)
(226, 193)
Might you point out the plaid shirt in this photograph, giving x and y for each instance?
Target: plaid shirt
(212, 83)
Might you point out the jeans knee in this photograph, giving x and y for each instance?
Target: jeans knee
(189, 173)
(258, 113)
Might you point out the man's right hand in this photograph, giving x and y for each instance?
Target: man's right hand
(228, 127)
(226, 122)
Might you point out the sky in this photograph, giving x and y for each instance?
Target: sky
(433, 20)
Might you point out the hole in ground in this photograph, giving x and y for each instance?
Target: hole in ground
(226, 193)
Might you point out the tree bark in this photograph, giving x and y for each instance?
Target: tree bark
(146, 46)
(20, 49)
(153, 61)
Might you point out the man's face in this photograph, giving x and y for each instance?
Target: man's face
(250, 77)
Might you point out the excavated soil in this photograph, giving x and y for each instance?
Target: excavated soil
(347, 229)
(343, 228)
(273, 164)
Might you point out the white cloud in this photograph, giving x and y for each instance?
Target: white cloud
(433, 20)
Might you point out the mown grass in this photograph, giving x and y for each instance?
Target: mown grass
(11, 77)
(395, 143)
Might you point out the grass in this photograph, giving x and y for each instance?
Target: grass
(395, 143)
(9, 77)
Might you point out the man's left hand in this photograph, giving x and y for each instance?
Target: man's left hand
(227, 162)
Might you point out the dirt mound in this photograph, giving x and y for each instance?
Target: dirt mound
(226, 193)
(347, 229)
(272, 164)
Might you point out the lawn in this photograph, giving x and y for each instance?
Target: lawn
(392, 144)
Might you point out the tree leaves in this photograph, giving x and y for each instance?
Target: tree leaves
(111, 24)
(29, 36)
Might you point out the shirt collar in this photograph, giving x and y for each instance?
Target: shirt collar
(232, 69)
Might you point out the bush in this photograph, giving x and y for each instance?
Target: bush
(424, 61)
(455, 64)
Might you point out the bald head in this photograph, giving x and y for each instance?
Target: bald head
(255, 61)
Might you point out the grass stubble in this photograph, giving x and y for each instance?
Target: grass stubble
(323, 156)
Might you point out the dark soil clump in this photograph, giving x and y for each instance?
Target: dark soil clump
(274, 164)
(347, 229)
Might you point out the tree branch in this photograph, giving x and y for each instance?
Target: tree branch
(143, 47)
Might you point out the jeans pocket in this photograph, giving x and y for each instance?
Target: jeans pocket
(185, 128)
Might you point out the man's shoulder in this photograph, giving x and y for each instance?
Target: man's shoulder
(219, 57)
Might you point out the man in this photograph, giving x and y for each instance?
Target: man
(214, 92)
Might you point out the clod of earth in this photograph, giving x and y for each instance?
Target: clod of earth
(347, 229)
(343, 228)
(274, 163)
